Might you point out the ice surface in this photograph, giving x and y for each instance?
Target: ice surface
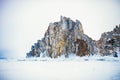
(72, 68)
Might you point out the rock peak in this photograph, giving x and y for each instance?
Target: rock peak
(63, 38)
(70, 24)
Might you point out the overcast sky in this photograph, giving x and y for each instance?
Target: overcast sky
(23, 22)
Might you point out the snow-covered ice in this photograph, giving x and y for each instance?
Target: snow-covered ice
(74, 68)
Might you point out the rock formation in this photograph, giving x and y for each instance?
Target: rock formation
(109, 43)
(67, 37)
(64, 38)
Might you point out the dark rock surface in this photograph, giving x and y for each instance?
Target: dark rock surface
(109, 43)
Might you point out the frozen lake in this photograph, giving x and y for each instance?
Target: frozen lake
(60, 69)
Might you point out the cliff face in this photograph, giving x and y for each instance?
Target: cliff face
(109, 43)
(63, 38)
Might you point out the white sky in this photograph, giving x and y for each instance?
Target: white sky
(23, 22)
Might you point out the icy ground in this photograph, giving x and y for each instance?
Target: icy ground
(73, 68)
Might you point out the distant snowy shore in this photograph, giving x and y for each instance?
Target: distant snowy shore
(70, 58)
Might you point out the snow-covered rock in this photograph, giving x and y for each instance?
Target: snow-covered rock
(109, 43)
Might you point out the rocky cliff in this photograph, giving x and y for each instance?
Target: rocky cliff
(64, 38)
(67, 37)
(109, 43)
